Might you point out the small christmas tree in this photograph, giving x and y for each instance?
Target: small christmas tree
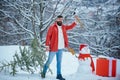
(30, 59)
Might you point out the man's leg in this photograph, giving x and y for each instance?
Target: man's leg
(59, 61)
(50, 58)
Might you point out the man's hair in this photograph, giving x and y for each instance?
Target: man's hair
(59, 16)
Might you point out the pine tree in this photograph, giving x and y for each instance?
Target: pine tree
(30, 59)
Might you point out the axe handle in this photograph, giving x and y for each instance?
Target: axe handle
(79, 21)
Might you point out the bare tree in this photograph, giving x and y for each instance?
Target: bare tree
(23, 20)
(100, 30)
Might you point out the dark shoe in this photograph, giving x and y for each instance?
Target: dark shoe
(60, 77)
(43, 75)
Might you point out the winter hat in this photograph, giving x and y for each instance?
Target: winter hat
(82, 46)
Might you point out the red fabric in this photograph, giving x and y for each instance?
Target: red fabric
(83, 56)
(52, 36)
(102, 67)
(114, 68)
(82, 46)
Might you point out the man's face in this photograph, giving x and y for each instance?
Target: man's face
(59, 21)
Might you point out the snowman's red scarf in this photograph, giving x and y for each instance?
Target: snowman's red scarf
(83, 56)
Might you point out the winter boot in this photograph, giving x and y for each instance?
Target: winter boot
(43, 75)
(60, 77)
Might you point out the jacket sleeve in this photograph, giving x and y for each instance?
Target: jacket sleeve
(68, 27)
(48, 37)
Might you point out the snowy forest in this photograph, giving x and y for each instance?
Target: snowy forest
(23, 20)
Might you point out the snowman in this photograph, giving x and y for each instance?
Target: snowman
(86, 65)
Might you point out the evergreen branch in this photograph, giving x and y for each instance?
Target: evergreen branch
(29, 59)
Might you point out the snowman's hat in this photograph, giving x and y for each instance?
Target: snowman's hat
(82, 46)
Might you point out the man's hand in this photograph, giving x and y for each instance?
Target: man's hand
(78, 21)
(47, 48)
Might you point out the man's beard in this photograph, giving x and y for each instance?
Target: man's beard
(59, 23)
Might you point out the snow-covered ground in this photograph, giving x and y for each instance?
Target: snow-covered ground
(69, 68)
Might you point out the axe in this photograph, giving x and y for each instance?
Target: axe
(78, 20)
(71, 50)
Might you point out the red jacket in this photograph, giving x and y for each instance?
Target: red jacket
(52, 36)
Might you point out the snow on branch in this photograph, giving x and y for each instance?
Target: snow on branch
(29, 31)
(8, 33)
